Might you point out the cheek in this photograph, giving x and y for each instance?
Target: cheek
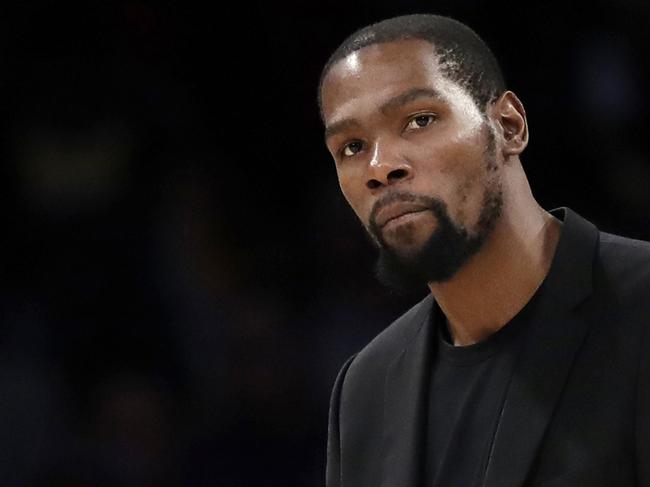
(462, 179)
(463, 156)
(353, 193)
(471, 194)
(447, 167)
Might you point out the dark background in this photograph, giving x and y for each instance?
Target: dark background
(181, 278)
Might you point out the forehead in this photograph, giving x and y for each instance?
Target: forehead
(375, 73)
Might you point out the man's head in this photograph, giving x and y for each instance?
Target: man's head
(421, 129)
(462, 54)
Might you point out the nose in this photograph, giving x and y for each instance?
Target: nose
(386, 168)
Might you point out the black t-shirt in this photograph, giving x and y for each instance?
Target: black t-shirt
(467, 389)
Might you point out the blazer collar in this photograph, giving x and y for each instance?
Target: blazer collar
(405, 404)
(556, 334)
(559, 325)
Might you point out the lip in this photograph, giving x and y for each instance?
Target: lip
(396, 210)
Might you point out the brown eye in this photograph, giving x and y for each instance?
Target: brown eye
(352, 148)
(421, 121)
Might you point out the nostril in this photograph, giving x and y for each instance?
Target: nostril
(373, 184)
(397, 174)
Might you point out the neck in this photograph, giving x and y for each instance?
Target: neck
(498, 281)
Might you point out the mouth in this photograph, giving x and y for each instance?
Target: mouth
(398, 211)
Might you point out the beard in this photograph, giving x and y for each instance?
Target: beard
(446, 250)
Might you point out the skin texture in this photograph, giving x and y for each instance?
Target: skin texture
(395, 124)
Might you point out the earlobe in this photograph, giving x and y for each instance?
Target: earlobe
(511, 118)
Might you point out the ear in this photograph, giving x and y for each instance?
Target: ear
(510, 119)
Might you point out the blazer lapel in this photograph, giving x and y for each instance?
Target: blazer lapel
(405, 406)
(558, 329)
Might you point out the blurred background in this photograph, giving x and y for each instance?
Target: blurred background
(180, 277)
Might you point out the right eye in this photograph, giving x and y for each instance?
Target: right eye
(352, 148)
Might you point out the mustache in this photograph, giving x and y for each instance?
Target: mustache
(401, 196)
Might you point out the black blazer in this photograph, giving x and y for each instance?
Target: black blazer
(577, 411)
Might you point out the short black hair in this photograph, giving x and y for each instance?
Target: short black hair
(464, 57)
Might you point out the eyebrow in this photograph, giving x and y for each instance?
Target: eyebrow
(409, 96)
(386, 107)
(340, 126)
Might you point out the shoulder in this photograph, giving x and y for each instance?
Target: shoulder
(400, 332)
(625, 264)
(367, 368)
(394, 338)
(622, 283)
(616, 246)
(357, 403)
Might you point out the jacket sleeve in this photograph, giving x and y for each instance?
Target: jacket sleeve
(333, 471)
(643, 415)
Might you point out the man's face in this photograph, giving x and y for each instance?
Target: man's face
(415, 156)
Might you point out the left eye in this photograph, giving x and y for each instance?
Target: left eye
(421, 121)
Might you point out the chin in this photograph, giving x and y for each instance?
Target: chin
(407, 242)
(406, 252)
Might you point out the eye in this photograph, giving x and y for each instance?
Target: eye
(420, 121)
(352, 148)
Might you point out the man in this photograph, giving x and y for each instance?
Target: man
(528, 363)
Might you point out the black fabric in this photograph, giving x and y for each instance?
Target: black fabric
(466, 393)
(576, 410)
(577, 406)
